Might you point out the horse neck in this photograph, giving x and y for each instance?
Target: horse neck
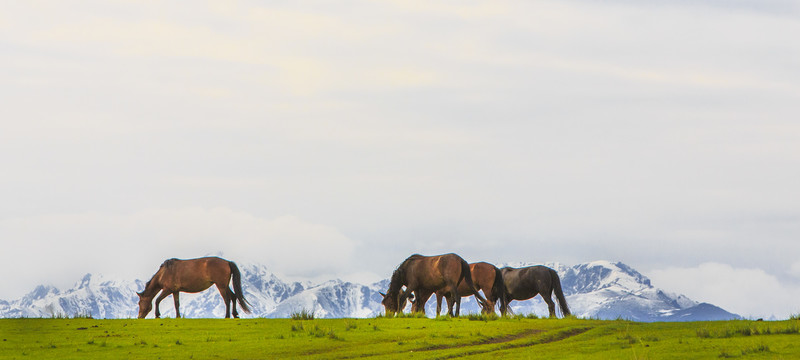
(153, 286)
(397, 282)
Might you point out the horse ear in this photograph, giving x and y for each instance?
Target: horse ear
(382, 294)
(140, 294)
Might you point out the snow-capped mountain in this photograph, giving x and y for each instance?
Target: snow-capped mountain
(599, 289)
(93, 296)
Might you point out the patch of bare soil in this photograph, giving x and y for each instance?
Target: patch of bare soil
(545, 340)
(496, 340)
(493, 340)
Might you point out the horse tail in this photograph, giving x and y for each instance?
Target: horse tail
(237, 287)
(499, 290)
(467, 275)
(562, 302)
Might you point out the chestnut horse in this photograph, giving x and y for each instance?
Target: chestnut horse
(424, 275)
(193, 276)
(525, 283)
(486, 277)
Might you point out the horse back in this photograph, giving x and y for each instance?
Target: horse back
(434, 272)
(525, 283)
(194, 275)
(483, 275)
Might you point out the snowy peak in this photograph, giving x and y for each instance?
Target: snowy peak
(633, 273)
(85, 281)
(40, 292)
(599, 275)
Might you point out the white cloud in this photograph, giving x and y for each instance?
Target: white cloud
(794, 269)
(750, 292)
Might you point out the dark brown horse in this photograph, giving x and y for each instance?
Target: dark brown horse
(404, 297)
(486, 277)
(424, 275)
(193, 276)
(525, 283)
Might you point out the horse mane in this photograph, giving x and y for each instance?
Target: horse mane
(165, 265)
(410, 259)
(399, 275)
(168, 263)
(407, 262)
(398, 278)
(147, 284)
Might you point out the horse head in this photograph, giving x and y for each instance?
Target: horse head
(390, 304)
(145, 304)
(396, 303)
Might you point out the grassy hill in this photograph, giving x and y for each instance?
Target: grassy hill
(442, 338)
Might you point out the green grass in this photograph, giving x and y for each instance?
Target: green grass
(471, 337)
(302, 315)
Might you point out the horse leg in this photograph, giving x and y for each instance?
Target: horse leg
(457, 301)
(449, 300)
(551, 306)
(491, 299)
(232, 295)
(177, 304)
(223, 290)
(453, 298)
(489, 306)
(164, 293)
(418, 295)
(419, 303)
(448, 294)
(439, 303)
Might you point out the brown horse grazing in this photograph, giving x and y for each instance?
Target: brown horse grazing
(193, 276)
(424, 275)
(486, 277)
(525, 283)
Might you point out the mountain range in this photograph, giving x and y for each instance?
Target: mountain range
(599, 289)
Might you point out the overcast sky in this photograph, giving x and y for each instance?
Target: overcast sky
(334, 139)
